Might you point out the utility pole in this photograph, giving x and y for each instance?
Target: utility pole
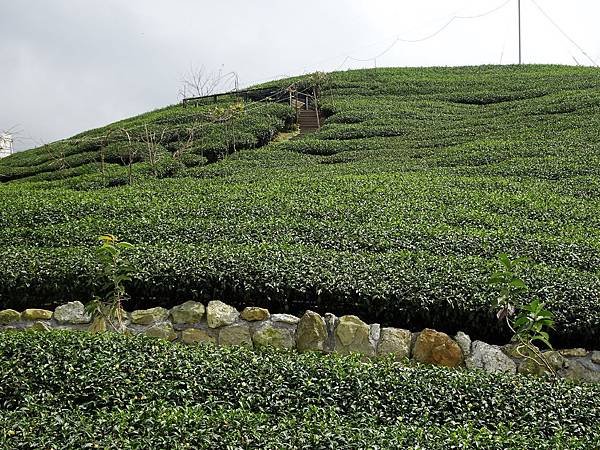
(519, 8)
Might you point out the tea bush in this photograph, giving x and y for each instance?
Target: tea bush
(115, 391)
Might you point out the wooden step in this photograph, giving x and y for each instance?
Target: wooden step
(308, 121)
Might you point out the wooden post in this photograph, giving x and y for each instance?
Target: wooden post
(296, 106)
(317, 109)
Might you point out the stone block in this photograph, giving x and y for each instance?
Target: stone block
(489, 358)
(238, 334)
(352, 335)
(285, 318)
(72, 312)
(394, 341)
(267, 335)
(311, 332)
(254, 314)
(9, 316)
(464, 342)
(196, 336)
(36, 314)
(574, 352)
(218, 314)
(189, 312)
(434, 347)
(149, 316)
(162, 331)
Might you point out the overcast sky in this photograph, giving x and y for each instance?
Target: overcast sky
(71, 65)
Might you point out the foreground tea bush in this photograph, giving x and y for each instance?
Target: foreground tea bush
(62, 389)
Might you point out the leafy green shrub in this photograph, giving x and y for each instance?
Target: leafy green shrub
(116, 391)
(107, 306)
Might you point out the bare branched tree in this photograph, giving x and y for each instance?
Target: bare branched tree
(200, 82)
(131, 154)
(152, 140)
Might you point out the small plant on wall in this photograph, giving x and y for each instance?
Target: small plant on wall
(106, 308)
(529, 322)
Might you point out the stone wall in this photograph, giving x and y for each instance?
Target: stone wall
(218, 323)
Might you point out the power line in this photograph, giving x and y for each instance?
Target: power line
(396, 39)
(520, 47)
(547, 16)
(430, 36)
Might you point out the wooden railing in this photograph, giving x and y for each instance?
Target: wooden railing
(297, 99)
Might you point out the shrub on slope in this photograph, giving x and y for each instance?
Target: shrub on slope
(77, 390)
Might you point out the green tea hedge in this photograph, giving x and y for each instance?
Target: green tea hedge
(77, 390)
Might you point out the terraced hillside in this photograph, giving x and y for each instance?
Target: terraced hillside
(394, 210)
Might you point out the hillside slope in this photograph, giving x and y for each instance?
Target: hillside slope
(395, 210)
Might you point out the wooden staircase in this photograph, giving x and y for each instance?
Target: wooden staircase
(308, 121)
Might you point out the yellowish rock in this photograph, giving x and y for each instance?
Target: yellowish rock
(149, 316)
(434, 347)
(162, 331)
(394, 341)
(254, 314)
(238, 334)
(39, 326)
(219, 314)
(268, 335)
(574, 352)
(311, 332)
(189, 312)
(196, 336)
(9, 316)
(352, 336)
(36, 314)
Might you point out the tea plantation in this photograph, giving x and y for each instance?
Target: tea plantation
(395, 210)
(79, 390)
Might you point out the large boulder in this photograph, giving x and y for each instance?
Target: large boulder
(238, 334)
(189, 312)
(196, 336)
(254, 314)
(267, 335)
(72, 313)
(149, 316)
(394, 341)
(489, 358)
(434, 347)
(352, 335)
(9, 316)
(311, 332)
(219, 314)
(34, 314)
(162, 331)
